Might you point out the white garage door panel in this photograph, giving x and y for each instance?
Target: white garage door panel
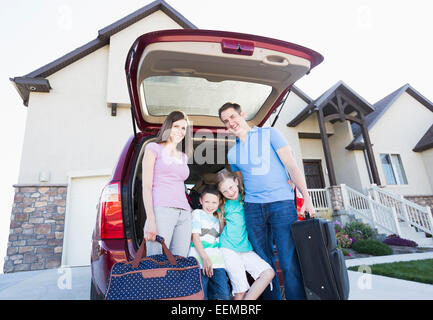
(83, 196)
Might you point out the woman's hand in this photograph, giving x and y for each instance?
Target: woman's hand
(150, 230)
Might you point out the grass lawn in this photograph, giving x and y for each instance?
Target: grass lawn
(418, 270)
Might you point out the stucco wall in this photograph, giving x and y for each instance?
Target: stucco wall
(71, 128)
(349, 166)
(120, 43)
(427, 157)
(313, 149)
(293, 106)
(397, 132)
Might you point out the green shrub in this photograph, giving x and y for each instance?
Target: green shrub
(373, 247)
(358, 230)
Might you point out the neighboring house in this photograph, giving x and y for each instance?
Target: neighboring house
(79, 119)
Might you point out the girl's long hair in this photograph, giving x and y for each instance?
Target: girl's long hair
(164, 133)
(222, 176)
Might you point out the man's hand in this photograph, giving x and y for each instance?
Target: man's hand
(307, 207)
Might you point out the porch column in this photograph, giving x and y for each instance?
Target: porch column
(370, 154)
(326, 149)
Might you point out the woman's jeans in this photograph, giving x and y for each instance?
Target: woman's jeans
(270, 222)
(175, 226)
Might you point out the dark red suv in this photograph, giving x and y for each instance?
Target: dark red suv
(195, 71)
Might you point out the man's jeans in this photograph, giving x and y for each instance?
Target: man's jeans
(268, 222)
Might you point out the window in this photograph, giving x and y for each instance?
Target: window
(198, 96)
(393, 169)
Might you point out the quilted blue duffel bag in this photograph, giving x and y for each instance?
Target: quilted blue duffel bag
(162, 276)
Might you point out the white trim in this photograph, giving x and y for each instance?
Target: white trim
(71, 175)
(396, 176)
(88, 173)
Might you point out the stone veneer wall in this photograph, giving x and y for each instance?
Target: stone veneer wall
(36, 229)
(336, 198)
(425, 201)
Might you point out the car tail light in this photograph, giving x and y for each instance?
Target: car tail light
(110, 212)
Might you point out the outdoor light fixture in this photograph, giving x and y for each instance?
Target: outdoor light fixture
(44, 176)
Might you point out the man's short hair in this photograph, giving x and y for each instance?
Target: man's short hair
(229, 105)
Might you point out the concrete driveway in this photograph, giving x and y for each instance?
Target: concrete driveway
(53, 284)
(74, 283)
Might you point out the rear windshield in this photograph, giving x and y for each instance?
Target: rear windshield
(198, 96)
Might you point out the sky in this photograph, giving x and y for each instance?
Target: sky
(375, 47)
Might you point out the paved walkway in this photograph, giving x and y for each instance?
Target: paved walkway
(365, 286)
(389, 259)
(74, 283)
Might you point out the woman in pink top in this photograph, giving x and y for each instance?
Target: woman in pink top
(165, 169)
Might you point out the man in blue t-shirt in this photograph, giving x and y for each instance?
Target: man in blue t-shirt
(262, 158)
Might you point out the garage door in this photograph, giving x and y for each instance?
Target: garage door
(83, 196)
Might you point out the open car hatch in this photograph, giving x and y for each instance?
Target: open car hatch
(197, 71)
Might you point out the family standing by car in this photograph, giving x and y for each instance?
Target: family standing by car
(241, 216)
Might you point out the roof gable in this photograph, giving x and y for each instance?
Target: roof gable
(385, 103)
(32, 81)
(426, 141)
(325, 97)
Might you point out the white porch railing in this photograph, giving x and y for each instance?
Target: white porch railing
(321, 202)
(378, 215)
(412, 213)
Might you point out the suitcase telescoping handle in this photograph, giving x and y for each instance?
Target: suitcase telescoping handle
(142, 252)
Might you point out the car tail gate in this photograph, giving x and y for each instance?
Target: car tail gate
(197, 71)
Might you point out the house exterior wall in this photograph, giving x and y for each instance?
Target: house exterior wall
(120, 43)
(293, 106)
(312, 149)
(349, 166)
(397, 132)
(427, 157)
(36, 229)
(70, 130)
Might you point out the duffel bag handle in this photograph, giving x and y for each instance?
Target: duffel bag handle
(142, 252)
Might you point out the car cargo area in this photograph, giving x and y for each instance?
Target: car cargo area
(209, 156)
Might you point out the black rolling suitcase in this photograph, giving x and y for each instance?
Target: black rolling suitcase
(322, 264)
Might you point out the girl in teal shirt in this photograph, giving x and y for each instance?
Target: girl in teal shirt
(237, 250)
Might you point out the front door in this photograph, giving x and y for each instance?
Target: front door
(314, 174)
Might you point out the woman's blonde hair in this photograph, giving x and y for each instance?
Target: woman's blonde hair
(222, 176)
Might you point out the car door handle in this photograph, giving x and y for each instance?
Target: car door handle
(276, 61)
